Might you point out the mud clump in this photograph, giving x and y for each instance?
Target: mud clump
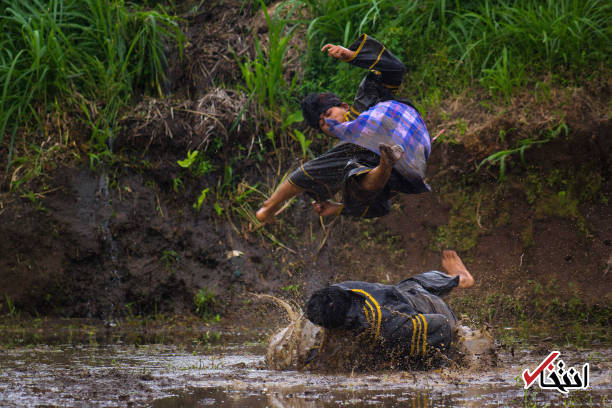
(294, 345)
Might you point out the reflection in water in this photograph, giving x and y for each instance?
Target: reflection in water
(299, 399)
(416, 399)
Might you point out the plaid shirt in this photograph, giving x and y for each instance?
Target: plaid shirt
(390, 122)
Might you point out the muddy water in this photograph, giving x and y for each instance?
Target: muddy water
(235, 376)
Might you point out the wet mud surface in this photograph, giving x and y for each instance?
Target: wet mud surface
(235, 376)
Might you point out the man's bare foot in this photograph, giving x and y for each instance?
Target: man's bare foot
(266, 214)
(454, 266)
(389, 155)
(325, 208)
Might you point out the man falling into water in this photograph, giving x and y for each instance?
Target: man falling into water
(358, 324)
(384, 148)
(408, 319)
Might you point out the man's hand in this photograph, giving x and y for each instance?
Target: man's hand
(338, 52)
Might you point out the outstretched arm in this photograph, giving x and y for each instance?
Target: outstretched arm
(367, 52)
(385, 74)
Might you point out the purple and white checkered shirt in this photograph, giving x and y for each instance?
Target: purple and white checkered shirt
(390, 122)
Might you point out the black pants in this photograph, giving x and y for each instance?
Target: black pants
(342, 169)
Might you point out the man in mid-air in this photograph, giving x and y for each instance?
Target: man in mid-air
(384, 149)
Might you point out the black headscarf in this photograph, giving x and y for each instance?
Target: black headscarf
(315, 104)
(328, 307)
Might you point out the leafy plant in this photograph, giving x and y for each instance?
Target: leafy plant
(177, 184)
(196, 163)
(218, 208)
(286, 121)
(35, 200)
(198, 204)
(501, 78)
(264, 75)
(31, 164)
(500, 157)
(189, 160)
(10, 305)
(205, 302)
(293, 288)
(169, 257)
(304, 143)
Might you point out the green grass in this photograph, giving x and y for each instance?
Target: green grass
(264, 75)
(342, 21)
(87, 57)
(540, 312)
(499, 43)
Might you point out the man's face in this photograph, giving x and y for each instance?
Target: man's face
(336, 113)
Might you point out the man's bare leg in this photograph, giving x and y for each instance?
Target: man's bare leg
(283, 193)
(454, 266)
(379, 175)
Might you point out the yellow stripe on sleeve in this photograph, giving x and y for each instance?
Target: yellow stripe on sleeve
(365, 36)
(414, 330)
(370, 319)
(306, 173)
(375, 303)
(377, 58)
(424, 335)
(367, 316)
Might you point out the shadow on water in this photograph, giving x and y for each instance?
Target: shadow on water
(236, 376)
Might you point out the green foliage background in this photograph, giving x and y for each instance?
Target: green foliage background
(91, 58)
(85, 56)
(503, 44)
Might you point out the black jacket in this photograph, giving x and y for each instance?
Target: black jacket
(385, 75)
(408, 316)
